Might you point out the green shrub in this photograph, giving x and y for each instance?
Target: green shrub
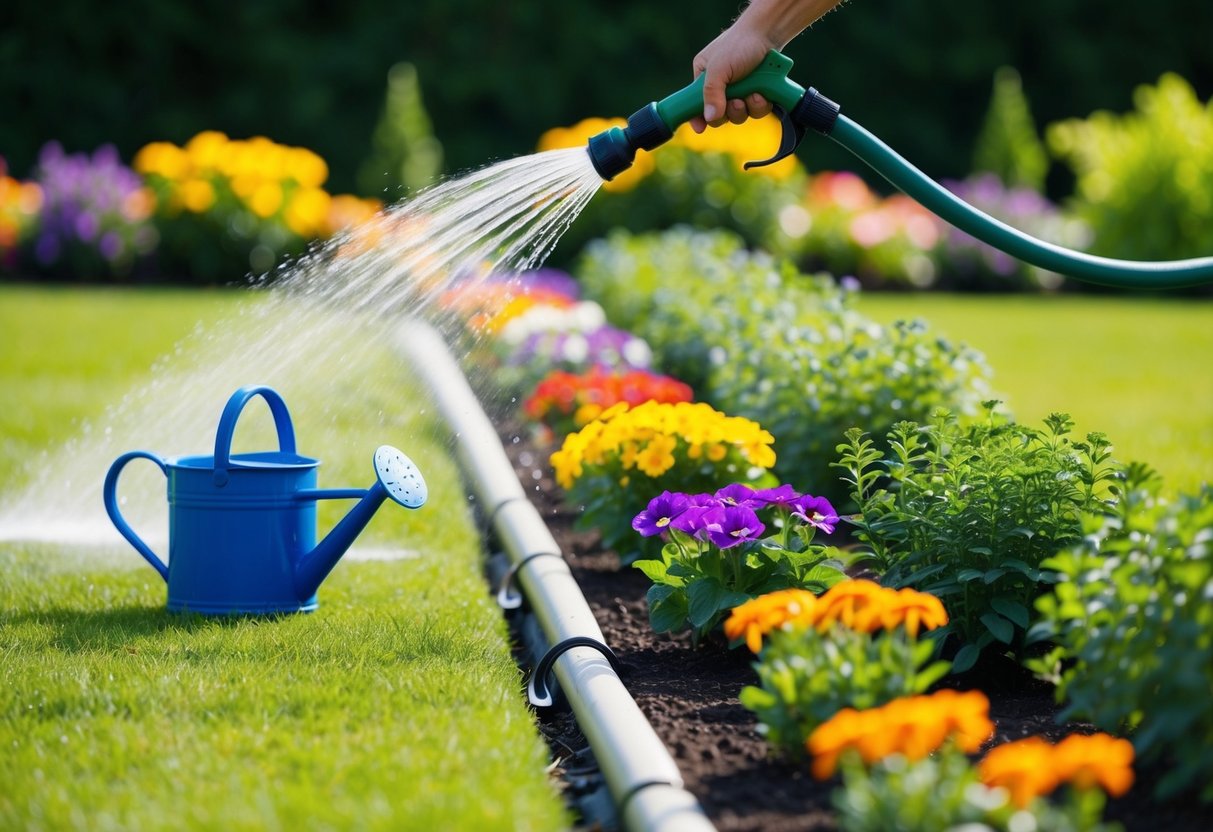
(970, 514)
(1133, 620)
(1145, 179)
(757, 338)
(405, 154)
(1008, 145)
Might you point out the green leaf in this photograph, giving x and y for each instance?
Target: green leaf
(657, 572)
(1001, 628)
(667, 609)
(1012, 609)
(966, 657)
(706, 597)
(993, 575)
(966, 575)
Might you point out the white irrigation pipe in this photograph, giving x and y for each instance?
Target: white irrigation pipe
(640, 774)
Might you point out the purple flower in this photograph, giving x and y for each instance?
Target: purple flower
(817, 512)
(691, 520)
(783, 496)
(85, 210)
(739, 494)
(731, 526)
(660, 512)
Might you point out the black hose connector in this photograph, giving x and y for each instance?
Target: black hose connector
(816, 112)
(613, 151)
(646, 130)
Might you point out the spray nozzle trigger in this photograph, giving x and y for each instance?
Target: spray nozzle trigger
(793, 132)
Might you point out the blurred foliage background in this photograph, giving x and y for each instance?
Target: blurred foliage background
(494, 76)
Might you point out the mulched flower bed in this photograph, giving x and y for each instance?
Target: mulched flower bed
(690, 696)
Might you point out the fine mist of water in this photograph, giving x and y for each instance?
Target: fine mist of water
(311, 335)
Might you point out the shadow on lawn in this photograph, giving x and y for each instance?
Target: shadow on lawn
(81, 631)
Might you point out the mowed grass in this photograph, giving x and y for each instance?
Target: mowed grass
(395, 706)
(1137, 369)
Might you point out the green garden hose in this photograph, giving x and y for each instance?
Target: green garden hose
(613, 151)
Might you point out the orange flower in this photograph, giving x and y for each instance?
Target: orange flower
(1024, 768)
(913, 610)
(913, 726)
(1096, 760)
(866, 607)
(754, 619)
(857, 605)
(1031, 767)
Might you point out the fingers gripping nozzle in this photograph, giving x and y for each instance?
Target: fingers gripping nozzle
(613, 151)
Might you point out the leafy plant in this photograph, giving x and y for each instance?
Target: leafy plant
(755, 337)
(1144, 177)
(717, 556)
(856, 646)
(970, 514)
(613, 466)
(1133, 621)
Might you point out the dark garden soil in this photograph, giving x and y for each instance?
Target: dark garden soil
(690, 697)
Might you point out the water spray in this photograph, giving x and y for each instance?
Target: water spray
(799, 110)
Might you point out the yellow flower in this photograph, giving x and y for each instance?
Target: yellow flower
(207, 149)
(266, 199)
(307, 212)
(587, 413)
(197, 195)
(162, 159)
(658, 456)
(305, 167)
(755, 618)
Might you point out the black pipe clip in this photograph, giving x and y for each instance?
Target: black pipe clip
(507, 597)
(537, 690)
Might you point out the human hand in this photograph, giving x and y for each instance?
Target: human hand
(734, 53)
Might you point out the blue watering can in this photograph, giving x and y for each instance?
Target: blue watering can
(242, 528)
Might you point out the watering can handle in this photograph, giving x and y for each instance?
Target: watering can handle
(227, 425)
(110, 492)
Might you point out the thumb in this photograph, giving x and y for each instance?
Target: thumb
(713, 95)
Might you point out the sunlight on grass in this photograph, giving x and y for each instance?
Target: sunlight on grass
(395, 706)
(1136, 369)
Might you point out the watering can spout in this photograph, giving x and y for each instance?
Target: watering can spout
(397, 478)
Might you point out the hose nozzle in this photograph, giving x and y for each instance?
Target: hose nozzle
(614, 150)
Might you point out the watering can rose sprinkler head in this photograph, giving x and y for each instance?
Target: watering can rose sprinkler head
(614, 150)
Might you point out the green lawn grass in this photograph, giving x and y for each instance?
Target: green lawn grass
(1137, 369)
(395, 706)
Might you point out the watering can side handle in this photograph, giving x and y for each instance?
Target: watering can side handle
(227, 425)
(110, 492)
